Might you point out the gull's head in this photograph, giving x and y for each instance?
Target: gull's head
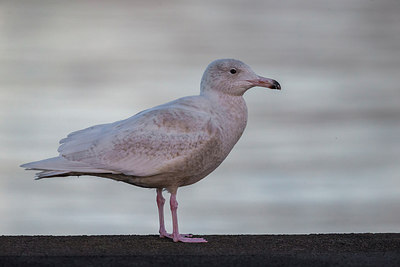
(232, 77)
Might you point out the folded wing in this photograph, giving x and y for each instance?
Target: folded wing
(145, 144)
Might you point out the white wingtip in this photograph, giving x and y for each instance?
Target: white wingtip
(59, 166)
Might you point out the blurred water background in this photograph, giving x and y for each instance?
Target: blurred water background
(320, 156)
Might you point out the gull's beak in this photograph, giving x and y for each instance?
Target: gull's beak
(265, 82)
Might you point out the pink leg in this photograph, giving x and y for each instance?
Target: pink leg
(160, 204)
(175, 234)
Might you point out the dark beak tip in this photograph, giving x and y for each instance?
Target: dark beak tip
(277, 86)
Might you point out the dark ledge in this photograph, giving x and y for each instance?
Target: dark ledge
(221, 250)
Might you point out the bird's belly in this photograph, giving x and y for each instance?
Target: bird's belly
(175, 179)
(189, 170)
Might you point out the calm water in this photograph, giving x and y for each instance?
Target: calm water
(322, 155)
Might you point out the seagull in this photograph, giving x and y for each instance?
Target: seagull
(167, 146)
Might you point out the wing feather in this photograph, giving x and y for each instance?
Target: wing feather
(144, 144)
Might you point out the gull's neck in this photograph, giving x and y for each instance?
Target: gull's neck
(235, 103)
(229, 107)
(230, 112)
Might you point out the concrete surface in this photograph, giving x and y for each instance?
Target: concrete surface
(221, 250)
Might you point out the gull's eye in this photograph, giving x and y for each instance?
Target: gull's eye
(233, 71)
